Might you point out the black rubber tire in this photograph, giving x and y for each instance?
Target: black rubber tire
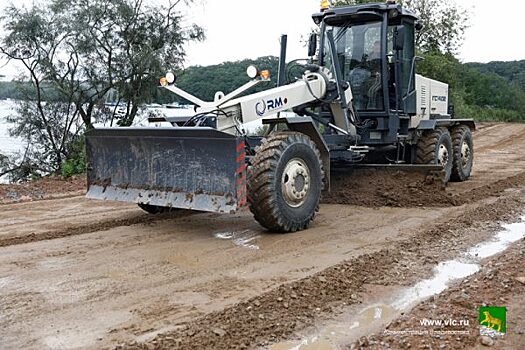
(428, 149)
(265, 195)
(155, 209)
(460, 171)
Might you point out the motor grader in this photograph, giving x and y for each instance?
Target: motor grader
(358, 102)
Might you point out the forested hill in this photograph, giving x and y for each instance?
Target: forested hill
(513, 71)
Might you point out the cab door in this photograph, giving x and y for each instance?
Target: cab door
(401, 76)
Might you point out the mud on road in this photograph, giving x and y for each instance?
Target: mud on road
(76, 273)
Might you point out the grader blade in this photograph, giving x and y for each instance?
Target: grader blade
(191, 168)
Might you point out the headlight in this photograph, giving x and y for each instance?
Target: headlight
(252, 72)
(170, 77)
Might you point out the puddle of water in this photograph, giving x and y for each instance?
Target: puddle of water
(82, 332)
(4, 281)
(512, 233)
(54, 263)
(351, 326)
(150, 336)
(346, 328)
(307, 344)
(445, 273)
(241, 239)
(224, 235)
(55, 295)
(354, 324)
(462, 267)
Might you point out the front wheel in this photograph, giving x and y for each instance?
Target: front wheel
(285, 182)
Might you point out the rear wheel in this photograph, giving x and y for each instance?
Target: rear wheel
(155, 209)
(285, 182)
(435, 147)
(463, 146)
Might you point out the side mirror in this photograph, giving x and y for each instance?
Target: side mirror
(418, 26)
(399, 38)
(312, 45)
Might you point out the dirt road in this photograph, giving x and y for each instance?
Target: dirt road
(76, 273)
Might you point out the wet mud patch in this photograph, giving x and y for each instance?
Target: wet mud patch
(288, 309)
(384, 187)
(395, 188)
(103, 225)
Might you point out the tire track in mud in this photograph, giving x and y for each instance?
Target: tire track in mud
(503, 143)
(370, 189)
(6, 202)
(278, 314)
(92, 227)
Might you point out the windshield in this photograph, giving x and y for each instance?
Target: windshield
(358, 49)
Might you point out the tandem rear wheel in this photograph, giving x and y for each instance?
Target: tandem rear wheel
(285, 181)
(452, 149)
(463, 148)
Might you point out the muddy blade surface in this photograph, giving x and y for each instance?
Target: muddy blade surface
(190, 168)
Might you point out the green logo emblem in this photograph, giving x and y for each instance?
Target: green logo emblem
(493, 320)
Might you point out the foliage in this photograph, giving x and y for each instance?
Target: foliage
(513, 71)
(475, 94)
(9, 89)
(49, 129)
(19, 167)
(89, 47)
(76, 162)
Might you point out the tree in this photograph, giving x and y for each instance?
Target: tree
(89, 47)
(84, 49)
(444, 23)
(34, 40)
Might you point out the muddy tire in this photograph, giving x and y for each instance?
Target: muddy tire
(463, 146)
(155, 209)
(285, 180)
(435, 147)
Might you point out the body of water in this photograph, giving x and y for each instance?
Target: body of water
(8, 144)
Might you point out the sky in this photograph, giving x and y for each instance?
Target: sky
(238, 29)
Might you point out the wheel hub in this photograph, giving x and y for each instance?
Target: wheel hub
(465, 154)
(295, 182)
(443, 155)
